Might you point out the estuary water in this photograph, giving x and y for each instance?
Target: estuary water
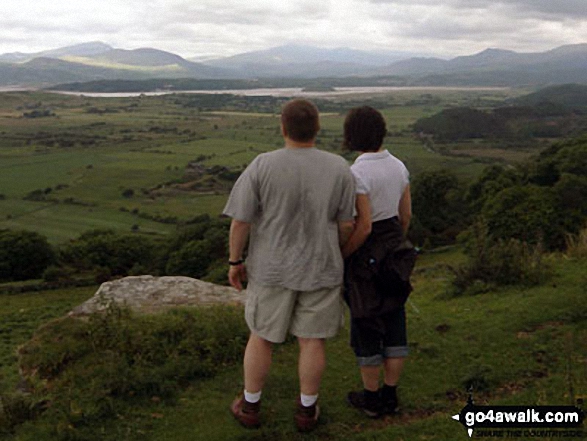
(289, 91)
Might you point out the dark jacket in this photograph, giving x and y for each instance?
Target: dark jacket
(377, 275)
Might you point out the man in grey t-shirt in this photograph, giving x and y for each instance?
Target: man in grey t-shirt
(295, 205)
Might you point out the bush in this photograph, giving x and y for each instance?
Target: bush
(128, 193)
(15, 409)
(100, 369)
(197, 249)
(440, 212)
(526, 213)
(577, 244)
(192, 260)
(114, 252)
(24, 255)
(56, 274)
(498, 262)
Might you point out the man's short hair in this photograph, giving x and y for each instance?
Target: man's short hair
(364, 129)
(300, 120)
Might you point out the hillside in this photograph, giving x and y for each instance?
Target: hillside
(570, 96)
(552, 112)
(515, 346)
(81, 50)
(565, 64)
(96, 61)
(491, 67)
(307, 61)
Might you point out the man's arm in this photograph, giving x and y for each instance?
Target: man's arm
(239, 233)
(405, 209)
(345, 229)
(362, 226)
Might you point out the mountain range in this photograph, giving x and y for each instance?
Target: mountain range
(491, 67)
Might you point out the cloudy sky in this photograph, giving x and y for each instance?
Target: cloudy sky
(227, 27)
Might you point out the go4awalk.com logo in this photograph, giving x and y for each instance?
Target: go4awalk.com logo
(522, 421)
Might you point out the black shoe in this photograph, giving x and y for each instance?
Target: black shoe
(369, 403)
(389, 400)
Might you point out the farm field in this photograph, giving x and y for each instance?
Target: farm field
(69, 164)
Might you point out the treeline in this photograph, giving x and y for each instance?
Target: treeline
(553, 112)
(197, 250)
(270, 104)
(542, 200)
(185, 84)
(544, 120)
(540, 203)
(508, 219)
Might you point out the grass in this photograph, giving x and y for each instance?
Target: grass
(22, 314)
(526, 346)
(96, 148)
(519, 346)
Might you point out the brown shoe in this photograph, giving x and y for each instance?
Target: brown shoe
(248, 414)
(306, 418)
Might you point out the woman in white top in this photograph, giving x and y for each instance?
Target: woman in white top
(383, 204)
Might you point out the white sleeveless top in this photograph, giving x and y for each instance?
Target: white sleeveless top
(382, 177)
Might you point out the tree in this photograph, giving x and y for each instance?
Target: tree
(107, 249)
(24, 255)
(492, 180)
(527, 213)
(440, 212)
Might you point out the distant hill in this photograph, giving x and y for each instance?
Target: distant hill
(552, 112)
(571, 96)
(307, 61)
(494, 67)
(78, 50)
(98, 61)
(140, 57)
(491, 67)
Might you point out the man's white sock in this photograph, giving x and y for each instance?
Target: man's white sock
(308, 400)
(252, 398)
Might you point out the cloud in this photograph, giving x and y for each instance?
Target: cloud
(214, 27)
(543, 9)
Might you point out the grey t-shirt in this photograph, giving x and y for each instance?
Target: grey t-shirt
(294, 199)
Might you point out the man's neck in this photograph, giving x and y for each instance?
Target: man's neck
(290, 143)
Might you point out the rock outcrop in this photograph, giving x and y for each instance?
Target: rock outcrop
(150, 294)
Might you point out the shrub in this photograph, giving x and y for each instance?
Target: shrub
(197, 249)
(15, 409)
(526, 213)
(128, 193)
(191, 260)
(105, 367)
(24, 255)
(56, 274)
(115, 252)
(498, 262)
(440, 212)
(577, 244)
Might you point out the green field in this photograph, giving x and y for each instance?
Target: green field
(523, 346)
(90, 150)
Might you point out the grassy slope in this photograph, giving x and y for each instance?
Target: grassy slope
(21, 314)
(527, 346)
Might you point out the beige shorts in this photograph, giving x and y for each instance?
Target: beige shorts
(272, 311)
